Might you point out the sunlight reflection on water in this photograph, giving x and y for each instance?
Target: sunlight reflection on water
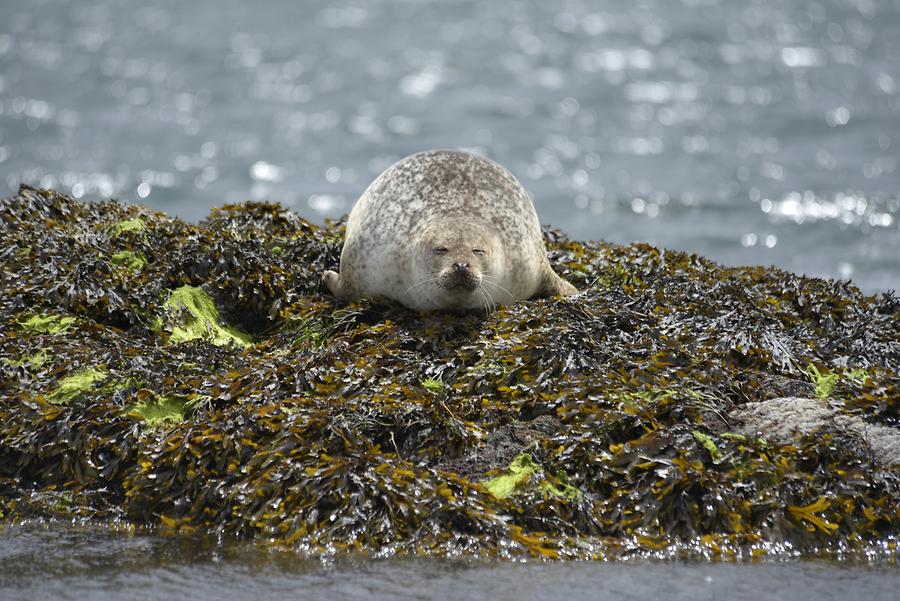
(754, 132)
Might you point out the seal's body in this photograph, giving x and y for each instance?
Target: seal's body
(445, 230)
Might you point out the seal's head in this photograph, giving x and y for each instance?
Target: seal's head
(453, 266)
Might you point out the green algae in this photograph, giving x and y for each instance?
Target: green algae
(521, 471)
(308, 332)
(561, 487)
(190, 314)
(332, 239)
(708, 444)
(64, 502)
(48, 324)
(858, 376)
(517, 474)
(159, 412)
(35, 361)
(77, 384)
(824, 382)
(126, 225)
(134, 260)
(433, 386)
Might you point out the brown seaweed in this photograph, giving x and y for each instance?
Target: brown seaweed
(375, 428)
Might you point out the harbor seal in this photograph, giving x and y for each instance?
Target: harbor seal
(445, 230)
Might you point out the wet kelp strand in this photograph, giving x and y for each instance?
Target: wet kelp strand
(197, 378)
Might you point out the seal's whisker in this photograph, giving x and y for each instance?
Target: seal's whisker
(426, 280)
(429, 278)
(486, 280)
(417, 285)
(486, 301)
(489, 279)
(485, 293)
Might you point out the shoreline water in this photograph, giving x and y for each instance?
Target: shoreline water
(59, 562)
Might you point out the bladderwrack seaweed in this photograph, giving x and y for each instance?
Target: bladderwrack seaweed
(672, 406)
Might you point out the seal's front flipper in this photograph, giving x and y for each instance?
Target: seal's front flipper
(333, 281)
(553, 285)
(564, 288)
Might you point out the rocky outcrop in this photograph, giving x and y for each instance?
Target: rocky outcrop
(198, 378)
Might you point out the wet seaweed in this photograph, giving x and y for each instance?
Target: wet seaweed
(610, 418)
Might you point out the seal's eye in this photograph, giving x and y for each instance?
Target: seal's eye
(478, 251)
(440, 250)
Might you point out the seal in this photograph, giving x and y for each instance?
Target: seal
(445, 230)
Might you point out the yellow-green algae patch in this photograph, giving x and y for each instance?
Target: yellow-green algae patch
(159, 411)
(520, 472)
(191, 314)
(130, 259)
(35, 361)
(128, 225)
(708, 444)
(517, 474)
(824, 382)
(48, 324)
(433, 386)
(560, 487)
(76, 384)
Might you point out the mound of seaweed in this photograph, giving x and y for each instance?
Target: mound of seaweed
(199, 378)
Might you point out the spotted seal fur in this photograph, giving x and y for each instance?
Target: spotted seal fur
(445, 230)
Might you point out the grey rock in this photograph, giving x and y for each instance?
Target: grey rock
(783, 420)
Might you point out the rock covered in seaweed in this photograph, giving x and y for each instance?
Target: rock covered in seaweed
(618, 421)
(783, 420)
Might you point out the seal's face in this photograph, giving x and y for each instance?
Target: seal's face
(453, 267)
(458, 268)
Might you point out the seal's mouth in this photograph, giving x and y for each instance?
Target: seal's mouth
(462, 287)
(459, 281)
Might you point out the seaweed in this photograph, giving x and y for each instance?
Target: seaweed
(130, 259)
(126, 225)
(48, 324)
(73, 386)
(198, 378)
(190, 314)
(158, 411)
(521, 471)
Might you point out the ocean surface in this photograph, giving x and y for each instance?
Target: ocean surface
(750, 131)
(80, 564)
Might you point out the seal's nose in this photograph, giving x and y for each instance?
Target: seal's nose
(460, 267)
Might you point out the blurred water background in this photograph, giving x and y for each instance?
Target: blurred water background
(751, 131)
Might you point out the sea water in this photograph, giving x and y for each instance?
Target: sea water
(50, 563)
(752, 132)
